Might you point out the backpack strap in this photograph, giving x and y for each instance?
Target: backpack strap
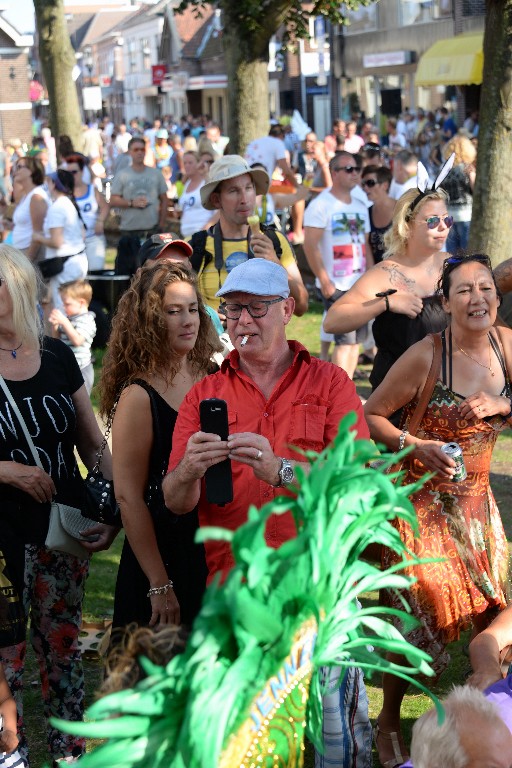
(270, 231)
(200, 254)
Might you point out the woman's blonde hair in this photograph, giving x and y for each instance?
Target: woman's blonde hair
(140, 344)
(194, 154)
(205, 145)
(22, 282)
(396, 238)
(465, 152)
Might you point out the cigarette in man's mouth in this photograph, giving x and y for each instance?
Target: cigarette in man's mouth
(244, 341)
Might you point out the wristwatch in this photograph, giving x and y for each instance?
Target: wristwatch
(286, 474)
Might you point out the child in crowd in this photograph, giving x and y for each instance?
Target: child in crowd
(9, 755)
(77, 327)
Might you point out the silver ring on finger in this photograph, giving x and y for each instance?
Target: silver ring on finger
(259, 455)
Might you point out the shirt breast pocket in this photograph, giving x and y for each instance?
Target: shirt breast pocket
(307, 423)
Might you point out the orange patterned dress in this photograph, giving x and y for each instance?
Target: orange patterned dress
(459, 522)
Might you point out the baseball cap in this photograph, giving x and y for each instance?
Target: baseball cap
(154, 247)
(229, 167)
(162, 134)
(259, 277)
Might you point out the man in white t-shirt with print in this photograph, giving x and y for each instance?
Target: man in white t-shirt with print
(336, 244)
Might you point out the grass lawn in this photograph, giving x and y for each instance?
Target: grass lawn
(100, 586)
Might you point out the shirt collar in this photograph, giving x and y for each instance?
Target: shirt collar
(299, 353)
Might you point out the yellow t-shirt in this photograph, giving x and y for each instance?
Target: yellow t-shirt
(234, 252)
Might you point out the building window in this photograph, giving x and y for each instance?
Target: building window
(364, 19)
(132, 55)
(473, 7)
(421, 11)
(146, 54)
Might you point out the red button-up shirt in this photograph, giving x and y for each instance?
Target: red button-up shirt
(304, 410)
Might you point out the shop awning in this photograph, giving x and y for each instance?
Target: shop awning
(457, 60)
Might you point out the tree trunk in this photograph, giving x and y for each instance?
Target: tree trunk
(58, 59)
(247, 92)
(491, 228)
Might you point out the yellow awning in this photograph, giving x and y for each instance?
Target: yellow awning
(457, 60)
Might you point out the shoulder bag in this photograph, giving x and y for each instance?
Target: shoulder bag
(65, 522)
(100, 502)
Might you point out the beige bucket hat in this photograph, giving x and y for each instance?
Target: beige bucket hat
(229, 167)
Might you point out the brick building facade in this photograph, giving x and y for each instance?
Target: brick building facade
(15, 105)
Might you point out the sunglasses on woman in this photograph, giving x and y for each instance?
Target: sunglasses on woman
(434, 221)
(369, 183)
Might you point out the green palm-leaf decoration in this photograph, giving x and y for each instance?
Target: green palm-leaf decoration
(238, 694)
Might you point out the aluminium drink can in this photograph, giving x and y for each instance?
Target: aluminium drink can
(453, 450)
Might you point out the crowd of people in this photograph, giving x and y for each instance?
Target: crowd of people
(205, 317)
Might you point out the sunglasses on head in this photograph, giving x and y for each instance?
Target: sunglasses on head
(369, 183)
(434, 221)
(347, 169)
(455, 260)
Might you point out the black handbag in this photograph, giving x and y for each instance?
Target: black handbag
(51, 267)
(100, 501)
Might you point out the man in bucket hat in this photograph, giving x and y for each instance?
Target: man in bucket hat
(231, 188)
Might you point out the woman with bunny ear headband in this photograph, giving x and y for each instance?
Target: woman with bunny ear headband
(399, 293)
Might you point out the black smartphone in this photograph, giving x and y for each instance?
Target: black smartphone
(219, 482)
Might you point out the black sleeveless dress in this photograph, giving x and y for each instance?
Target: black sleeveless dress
(376, 238)
(394, 334)
(183, 559)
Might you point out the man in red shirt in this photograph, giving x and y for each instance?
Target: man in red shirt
(278, 397)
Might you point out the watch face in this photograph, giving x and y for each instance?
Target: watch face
(286, 474)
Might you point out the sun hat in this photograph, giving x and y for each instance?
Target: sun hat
(229, 167)
(259, 277)
(154, 247)
(162, 134)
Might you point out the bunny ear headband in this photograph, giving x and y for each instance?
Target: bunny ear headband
(424, 185)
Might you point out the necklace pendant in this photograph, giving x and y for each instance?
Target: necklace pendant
(13, 353)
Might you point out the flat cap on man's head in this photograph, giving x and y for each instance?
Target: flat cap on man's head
(259, 277)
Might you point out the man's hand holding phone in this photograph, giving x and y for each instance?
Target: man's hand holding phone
(255, 450)
(204, 450)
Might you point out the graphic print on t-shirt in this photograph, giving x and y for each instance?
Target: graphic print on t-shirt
(348, 244)
(234, 259)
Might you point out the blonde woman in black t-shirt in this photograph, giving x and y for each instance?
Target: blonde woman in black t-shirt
(44, 380)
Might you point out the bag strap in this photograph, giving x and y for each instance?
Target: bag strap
(108, 428)
(21, 421)
(430, 383)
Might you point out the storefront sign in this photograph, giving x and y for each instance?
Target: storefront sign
(388, 59)
(158, 72)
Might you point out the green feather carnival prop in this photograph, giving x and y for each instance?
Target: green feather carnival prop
(247, 685)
